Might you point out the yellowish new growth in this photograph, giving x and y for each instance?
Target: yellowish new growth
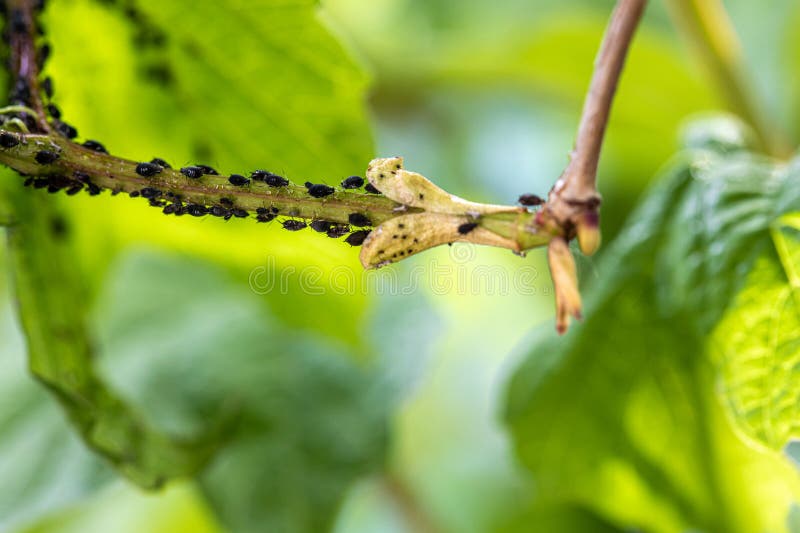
(445, 218)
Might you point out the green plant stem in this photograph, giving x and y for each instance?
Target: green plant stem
(707, 26)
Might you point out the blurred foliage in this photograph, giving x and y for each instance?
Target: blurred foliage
(626, 404)
(379, 405)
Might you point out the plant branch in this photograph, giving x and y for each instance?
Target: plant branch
(709, 29)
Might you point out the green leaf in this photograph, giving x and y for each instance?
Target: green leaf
(52, 309)
(189, 339)
(757, 343)
(622, 415)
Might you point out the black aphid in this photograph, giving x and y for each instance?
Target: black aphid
(208, 170)
(75, 189)
(149, 192)
(319, 190)
(274, 210)
(465, 228)
(8, 140)
(53, 111)
(93, 189)
(273, 180)
(169, 209)
(353, 182)
(262, 211)
(240, 213)
(160, 162)
(293, 225)
(321, 225)
(260, 175)
(358, 220)
(530, 200)
(370, 188)
(46, 157)
(337, 230)
(134, 194)
(192, 172)
(266, 217)
(196, 210)
(95, 146)
(148, 169)
(18, 22)
(47, 86)
(28, 181)
(67, 130)
(226, 201)
(357, 237)
(218, 211)
(238, 180)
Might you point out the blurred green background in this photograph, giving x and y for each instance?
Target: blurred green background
(373, 409)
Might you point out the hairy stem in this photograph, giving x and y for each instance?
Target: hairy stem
(707, 26)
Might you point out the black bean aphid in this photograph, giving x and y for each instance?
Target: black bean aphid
(218, 211)
(196, 210)
(53, 111)
(321, 225)
(262, 211)
(160, 162)
(357, 237)
(65, 129)
(95, 146)
(46, 157)
(337, 230)
(226, 202)
(169, 209)
(370, 188)
(238, 180)
(134, 194)
(353, 182)
(47, 86)
(8, 140)
(359, 220)
(266, 217)
(318, 190)
(465, 228)
(530, 200)
(207, 170)
(149, 192)
(273, 180)
(192, 172)
(240, 213)
(293, 225)
(93, 189)
(148, 169)
(260, 175)
(75, 189)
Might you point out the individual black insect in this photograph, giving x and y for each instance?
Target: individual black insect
(196, 210)
(274, 180)
(238, 180)
(8, 140)
(262, 211)
(240, 213)
(208, 170)
(467, 227)
(160, 162)
(95, 146)
(150, 192)
(321, 225)
(353, 182)
(47, 86)
(83, 177)
(337, 230)
(169, 209)
(319, 190)
(530, 200)
(53, 111)
(75, 189)
(192, 172)
(260, 175)
(134, 194)
(359, 220)
(93, 189)
(265, 217)
(226, 202)
(18, 22)
(274, 209)
(46, 157)
(293, 225)
(148, 169)
(65, 129)
(357, 237)
(218, 211)
(370, 188)
(43, 55)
